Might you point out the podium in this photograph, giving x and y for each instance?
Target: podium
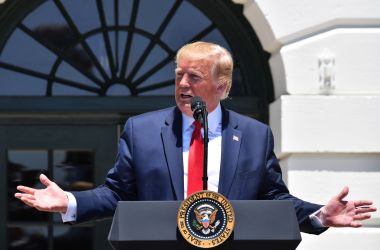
(153, 225)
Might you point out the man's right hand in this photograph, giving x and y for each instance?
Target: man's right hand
(50, 199)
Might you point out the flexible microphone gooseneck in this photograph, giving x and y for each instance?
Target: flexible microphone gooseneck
(200, 114)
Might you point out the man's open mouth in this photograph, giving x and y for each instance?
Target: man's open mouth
(184, 96)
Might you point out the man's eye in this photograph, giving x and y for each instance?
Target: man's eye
(195, 77)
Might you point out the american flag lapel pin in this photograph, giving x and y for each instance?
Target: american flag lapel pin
(235, 138)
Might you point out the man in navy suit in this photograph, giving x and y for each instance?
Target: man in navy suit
(152, 162)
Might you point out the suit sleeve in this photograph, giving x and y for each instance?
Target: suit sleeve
(120, 183)
(275, 189)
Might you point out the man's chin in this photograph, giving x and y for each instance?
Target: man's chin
(185, 109)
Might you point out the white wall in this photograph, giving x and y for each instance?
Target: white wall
(318, 123)
(279, 23)
(326, 120)
(356, 66)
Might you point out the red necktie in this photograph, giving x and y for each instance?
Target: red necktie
(195, 168)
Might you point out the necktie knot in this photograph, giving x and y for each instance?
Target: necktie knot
(197, 125)
(197, 136)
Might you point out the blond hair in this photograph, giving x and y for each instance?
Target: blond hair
(222, 60)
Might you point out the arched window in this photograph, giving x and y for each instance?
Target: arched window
(119, 47)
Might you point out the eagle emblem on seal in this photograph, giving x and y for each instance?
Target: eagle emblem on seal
(205, 218)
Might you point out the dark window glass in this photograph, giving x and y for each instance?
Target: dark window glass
(73, 238)
(24, 167)
(74, 169)
(27, 238)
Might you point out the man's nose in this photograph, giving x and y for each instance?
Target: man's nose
(184, 83)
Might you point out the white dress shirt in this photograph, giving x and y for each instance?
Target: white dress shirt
(214, 147)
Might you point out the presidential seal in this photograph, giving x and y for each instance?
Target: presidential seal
(206, 219)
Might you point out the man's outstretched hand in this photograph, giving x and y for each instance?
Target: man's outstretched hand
(341, 213)
(50, 199)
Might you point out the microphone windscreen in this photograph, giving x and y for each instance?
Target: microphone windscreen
(196, 102)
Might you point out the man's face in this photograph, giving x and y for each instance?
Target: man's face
(194, 77)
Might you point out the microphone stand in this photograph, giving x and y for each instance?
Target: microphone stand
(205, 148)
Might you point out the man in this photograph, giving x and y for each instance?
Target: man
(152, 162)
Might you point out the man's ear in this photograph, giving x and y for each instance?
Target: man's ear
(221, 88)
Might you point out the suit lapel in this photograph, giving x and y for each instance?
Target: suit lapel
(231, 141)
(171, 134)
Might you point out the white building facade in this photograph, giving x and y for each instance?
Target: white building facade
(325, 66)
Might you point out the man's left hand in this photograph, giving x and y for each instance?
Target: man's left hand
(341, 213)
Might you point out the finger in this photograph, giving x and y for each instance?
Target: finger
(360, 203)
(34, 203)
(28, 202)
(362, 216)
(360, 210)
(18, 195)
(44, 180)
(355, 224)
(342, 193)
(28, 196)
(26, 190)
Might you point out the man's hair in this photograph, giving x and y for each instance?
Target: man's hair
(222, 60)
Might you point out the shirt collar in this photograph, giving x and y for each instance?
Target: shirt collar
(214, 119)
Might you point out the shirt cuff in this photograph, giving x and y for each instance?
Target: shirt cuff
(71, 213)
(315, 220)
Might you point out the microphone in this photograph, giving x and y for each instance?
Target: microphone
(200, 114)
(199, 108)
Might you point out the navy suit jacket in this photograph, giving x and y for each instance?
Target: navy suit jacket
(149, 166)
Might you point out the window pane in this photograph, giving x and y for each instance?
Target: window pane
(23, 51)
(64, 90)
(179, 31)
(17, 84)
(82, 82)
(121, 41)
(98, 47)
(27, 238)
(125, 9)
(84, 13)
(45, 15)
(118, 90)
(156, 55)
(24, 168)
(139, 44)
(74, 169)
(73, 238)
(156, 11)
(216, 37)
(68, 72)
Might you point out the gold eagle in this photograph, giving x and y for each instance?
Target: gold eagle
(212, 217)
